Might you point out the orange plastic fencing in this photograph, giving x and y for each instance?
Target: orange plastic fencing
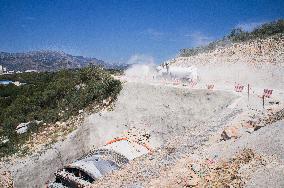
(116, 140)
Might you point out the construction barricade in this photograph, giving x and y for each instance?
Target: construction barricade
(239, 88)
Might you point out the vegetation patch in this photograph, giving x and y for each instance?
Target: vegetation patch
(48, 97)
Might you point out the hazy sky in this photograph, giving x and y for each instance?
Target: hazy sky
(122, 30)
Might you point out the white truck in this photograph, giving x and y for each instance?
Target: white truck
(175, 72)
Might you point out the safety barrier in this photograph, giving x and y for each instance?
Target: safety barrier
(192, 84)
(239, 88)
(267, 92)
(126, 139)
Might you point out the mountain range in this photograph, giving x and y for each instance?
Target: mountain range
(46, 61)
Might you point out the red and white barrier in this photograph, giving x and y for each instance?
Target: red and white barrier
(267, 92)
(192, 84)
(239, 88)
(176, 81)
(210, 87)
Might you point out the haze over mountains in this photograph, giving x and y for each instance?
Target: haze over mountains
(46, 61)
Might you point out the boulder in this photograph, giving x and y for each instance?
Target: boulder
(229, 132)
(249, 127)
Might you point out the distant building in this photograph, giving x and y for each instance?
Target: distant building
(3, 69)
(31, 71)
(11, 72)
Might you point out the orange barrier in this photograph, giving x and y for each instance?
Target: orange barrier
(124, 138)
(116, 140)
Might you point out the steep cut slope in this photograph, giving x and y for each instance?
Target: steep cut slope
(260, 51)
(257, 62)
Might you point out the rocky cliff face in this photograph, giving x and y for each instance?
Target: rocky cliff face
(256, 52)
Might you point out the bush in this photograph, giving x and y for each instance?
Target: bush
(263, 31)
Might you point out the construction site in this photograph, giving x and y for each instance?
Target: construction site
(213, 119)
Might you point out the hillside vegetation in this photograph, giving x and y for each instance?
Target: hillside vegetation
(238, 35)
(49, 97)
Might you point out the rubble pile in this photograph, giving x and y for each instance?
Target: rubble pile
(211, 173)
(231, 173)
(6, 180)
(255, 121)
(181, 175)
(196, 171)
(274, 116)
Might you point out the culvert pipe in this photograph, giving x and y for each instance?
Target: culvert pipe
(110, 157)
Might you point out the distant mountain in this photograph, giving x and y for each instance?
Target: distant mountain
(46, 61)
(117, 66)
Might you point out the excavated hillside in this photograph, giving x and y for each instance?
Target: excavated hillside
(254, 52)
(257, 62)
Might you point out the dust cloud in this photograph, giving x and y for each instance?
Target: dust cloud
(141, 71)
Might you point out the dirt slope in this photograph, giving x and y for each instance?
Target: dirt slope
(167, 113)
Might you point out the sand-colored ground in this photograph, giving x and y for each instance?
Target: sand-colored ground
(171, 163)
